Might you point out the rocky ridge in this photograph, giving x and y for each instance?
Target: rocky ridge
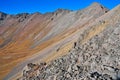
(95, 59)
(61, 45)
(26, 38)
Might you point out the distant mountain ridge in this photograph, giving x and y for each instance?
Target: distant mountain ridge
(56, 11)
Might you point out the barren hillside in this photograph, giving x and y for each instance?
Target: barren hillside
(58, 38)
(95, 56)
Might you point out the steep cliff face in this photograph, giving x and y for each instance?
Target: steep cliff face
(26, 38)
(95, 56)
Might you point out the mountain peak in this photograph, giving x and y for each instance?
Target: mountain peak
(2, 12)
(97, 5)
(21, 15)
(62, 10)
(2, 15)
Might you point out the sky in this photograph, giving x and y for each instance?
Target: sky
(43, 6)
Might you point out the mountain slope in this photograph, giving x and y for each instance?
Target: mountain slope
(95, 56)
(42, 37)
